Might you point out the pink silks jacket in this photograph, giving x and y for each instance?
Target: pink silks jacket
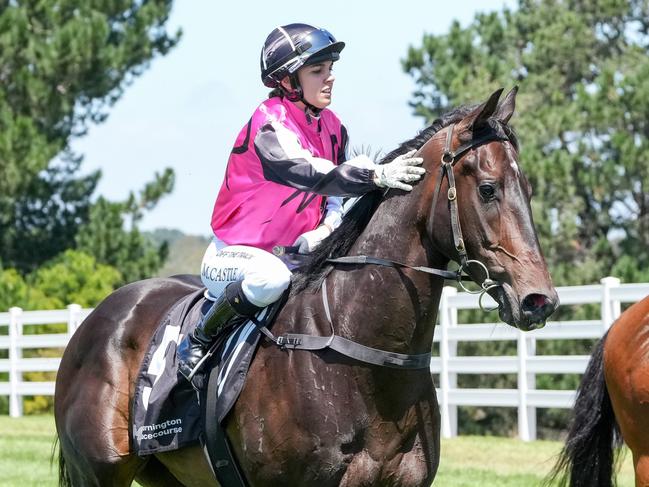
(283, 165)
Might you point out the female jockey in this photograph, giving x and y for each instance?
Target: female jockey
(284, 183)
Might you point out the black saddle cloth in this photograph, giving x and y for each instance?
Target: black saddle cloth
(166, 410)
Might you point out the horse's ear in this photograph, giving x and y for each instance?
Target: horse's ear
(506, 108)
(482, 112)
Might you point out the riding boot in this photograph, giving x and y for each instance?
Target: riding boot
(230, 307)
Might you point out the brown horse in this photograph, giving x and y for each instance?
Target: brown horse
(612, 404)
(307, 418)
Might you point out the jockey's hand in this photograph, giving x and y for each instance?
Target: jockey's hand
(308, 241)
(402, 169)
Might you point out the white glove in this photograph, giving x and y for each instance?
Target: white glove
(308, 241)
(402, 169)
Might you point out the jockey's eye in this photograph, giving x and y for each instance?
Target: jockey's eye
(487, 191)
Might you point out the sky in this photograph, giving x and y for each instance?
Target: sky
(186, 109)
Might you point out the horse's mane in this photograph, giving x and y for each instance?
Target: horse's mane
(315, 268)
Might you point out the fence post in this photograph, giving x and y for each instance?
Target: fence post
(452, 352)
(448, 317)
(15, 354)
(526, 382)
(73, 318)
(610, 308)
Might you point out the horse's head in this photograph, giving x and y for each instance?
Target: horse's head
(485, 223)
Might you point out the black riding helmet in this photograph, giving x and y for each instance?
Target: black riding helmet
(288, 48)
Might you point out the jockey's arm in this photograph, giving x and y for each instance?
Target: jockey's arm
(286, 162)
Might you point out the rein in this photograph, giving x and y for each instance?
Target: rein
(296, 341)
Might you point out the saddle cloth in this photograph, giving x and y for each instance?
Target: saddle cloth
(166, 410)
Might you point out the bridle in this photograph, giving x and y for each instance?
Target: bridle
(448, 160)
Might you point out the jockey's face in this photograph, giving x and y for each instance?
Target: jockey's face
(316, 81)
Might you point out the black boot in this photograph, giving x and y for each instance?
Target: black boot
(231, 306)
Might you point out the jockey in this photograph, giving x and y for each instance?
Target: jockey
(284, 183)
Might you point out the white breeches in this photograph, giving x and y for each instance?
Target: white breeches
(264, 277)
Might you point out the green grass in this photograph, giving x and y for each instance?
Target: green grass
(467, 461)
(25, 451)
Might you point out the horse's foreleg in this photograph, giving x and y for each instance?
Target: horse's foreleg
(407, 470)
(363, 470)
(413, 468)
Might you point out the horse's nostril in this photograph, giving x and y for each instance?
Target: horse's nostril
(534, 302)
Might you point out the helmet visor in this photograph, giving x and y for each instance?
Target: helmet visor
(317, 42)
(317, 46)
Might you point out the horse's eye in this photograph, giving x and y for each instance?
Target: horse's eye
(487, 191)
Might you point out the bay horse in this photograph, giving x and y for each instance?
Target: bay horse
(612, 405)
(323, 419)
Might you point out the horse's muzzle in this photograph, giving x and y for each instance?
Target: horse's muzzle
(536, 308)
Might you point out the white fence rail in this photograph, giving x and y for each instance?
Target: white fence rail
(15, 342)
(610, 294)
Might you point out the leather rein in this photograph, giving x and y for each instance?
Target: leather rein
(349, 348)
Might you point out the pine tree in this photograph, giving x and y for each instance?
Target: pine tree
(112, 237)
(63, 63)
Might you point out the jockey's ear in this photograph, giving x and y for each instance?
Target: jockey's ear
(481, 113)
(507, 106)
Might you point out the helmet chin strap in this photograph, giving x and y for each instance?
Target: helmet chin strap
(296, 94)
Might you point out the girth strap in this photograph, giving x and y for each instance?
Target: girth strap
(216, 444)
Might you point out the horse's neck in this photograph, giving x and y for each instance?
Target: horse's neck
(385, 307)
